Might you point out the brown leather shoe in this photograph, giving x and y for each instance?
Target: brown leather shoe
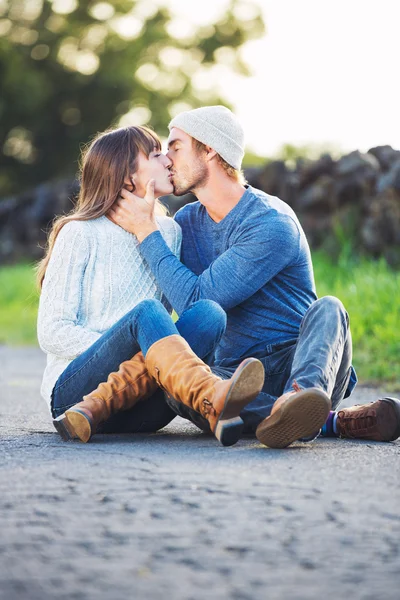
(378, 421)
(296, 414)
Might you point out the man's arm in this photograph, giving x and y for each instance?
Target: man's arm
(261, 251)
(258, 255)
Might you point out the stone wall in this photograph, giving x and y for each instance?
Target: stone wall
(353, 201)
(26, 219)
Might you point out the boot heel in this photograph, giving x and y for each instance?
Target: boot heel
(81, 424)
(228, 431)
(63, 427)
(74, 424)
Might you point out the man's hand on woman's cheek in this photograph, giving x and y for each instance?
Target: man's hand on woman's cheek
(134, 214)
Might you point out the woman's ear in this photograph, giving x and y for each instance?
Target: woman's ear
(129, 183)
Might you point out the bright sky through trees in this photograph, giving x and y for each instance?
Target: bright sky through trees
(325, 73)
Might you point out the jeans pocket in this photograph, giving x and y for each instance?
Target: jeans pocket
(279, 357)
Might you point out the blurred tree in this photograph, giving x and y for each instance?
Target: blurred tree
(70, 68)
(290, 153)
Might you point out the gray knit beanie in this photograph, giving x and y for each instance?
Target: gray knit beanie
(217, 127)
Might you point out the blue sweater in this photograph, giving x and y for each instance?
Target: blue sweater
(255, 263)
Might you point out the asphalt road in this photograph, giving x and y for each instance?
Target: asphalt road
(173, 515)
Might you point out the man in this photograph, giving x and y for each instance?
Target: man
(246, 251)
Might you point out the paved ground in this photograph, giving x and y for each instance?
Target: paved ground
(176, 516)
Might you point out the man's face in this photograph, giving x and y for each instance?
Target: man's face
(189, 168)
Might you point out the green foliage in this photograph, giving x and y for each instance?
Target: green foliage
(251, 159)
(342, 245)
(70, 69)
(290, 153)
(18, 305)
(369, 290)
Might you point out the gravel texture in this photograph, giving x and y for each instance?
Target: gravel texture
(173, 515)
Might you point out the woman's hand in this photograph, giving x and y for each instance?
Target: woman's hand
(135, 214)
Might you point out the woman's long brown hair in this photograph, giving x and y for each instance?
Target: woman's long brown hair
(105, 164)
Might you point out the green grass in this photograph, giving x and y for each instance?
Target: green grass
(18, 305)
(369, 290)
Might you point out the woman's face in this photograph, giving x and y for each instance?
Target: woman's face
(156, 167)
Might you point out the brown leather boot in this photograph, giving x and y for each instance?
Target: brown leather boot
(122, 391)
(189, 380)
(294, 415)
(378, 421)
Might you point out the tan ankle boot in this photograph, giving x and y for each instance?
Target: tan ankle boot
(189, 380)
(122, 391)
(296, 414)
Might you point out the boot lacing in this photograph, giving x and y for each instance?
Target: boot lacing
(357, 423)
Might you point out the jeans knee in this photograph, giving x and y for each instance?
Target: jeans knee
(212, 315)
(144, 312)
(146, 306)
(330, 305)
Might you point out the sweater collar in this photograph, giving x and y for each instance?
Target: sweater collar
(236, 210)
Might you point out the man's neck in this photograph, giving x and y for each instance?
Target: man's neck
(220, 195)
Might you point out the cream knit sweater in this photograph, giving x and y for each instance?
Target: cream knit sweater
(94, 277)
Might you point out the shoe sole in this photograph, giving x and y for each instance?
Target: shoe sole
(73, 424)
(300, 416)
(247, 383)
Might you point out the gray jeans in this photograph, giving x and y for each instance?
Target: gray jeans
(320, 357)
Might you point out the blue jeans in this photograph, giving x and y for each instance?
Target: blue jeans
(202, 326)
(319, 357)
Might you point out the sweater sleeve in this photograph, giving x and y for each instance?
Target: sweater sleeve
(175, 246)
(258, 254)
(177, 240)
(59, 331)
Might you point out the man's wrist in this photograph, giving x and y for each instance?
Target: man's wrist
(146, 231)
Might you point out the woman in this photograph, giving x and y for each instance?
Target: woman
(100, 306)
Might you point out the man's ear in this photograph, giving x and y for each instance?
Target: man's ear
(210, 153)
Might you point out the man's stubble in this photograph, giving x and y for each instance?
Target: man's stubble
(192, 178)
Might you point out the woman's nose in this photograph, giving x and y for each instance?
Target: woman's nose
(167, 161)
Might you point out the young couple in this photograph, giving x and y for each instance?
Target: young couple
(253, 348)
